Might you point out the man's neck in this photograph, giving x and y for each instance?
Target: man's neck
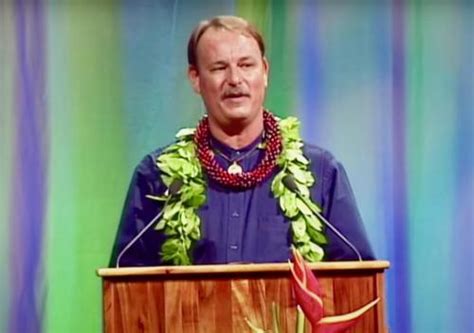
(237, 136)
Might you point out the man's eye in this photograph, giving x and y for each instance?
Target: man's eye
(216, 69)
(246, 65)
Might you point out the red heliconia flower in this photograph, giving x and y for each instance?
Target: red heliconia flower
(307, 289)
(308, 295)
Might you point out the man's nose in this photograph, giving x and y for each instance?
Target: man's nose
(234, 77)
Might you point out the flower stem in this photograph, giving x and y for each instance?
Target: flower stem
(276, 318)
(300, 320)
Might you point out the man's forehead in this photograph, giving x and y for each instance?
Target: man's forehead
(216, 31)
(220, 42)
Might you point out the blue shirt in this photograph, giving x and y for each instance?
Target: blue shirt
(242, 225)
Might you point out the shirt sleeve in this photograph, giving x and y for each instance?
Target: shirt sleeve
(340, 209)
(137, 212)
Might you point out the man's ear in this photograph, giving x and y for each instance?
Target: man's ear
(193, 76)
(266, 69)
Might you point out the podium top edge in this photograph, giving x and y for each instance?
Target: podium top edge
(239, 268)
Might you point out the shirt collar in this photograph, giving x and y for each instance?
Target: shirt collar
(231, 152)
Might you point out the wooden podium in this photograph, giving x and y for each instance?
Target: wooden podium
(220, 298)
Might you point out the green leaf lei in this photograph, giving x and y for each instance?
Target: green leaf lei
(181, 223)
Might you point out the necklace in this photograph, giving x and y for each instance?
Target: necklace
(235, 167)
(242, 180)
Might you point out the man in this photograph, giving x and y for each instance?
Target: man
(242, 187)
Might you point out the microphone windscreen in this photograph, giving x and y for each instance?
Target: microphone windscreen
(289, 182)
(175, 186)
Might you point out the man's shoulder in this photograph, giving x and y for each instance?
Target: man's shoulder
(153, 155)
(147, 164)
(318, 154)
(321, 160)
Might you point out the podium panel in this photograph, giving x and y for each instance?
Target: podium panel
(220, 298)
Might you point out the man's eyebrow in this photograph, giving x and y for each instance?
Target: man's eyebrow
(246, 58)
(215, 64)
(225, 63)
(218, 62)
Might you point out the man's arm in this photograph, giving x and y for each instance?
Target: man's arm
(333, 193)
(138, 211)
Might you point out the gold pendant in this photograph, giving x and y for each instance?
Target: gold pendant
(234, 168)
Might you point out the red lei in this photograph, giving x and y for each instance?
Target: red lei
(242, 180)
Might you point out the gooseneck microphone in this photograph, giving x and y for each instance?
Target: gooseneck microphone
(171, 191)
(290, 183)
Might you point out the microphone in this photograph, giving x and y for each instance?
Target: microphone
(174, 188)
(289, 182)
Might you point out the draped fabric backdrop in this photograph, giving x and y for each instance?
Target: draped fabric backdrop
(88, 87)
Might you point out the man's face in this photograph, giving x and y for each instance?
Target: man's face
(231, 76)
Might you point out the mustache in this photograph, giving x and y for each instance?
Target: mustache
(235, 92)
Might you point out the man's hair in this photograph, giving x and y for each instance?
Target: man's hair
(231, 23)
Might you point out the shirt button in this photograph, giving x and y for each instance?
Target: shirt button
(235, 213)
(234, 247)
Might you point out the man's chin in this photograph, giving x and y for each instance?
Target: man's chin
(237, 113)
